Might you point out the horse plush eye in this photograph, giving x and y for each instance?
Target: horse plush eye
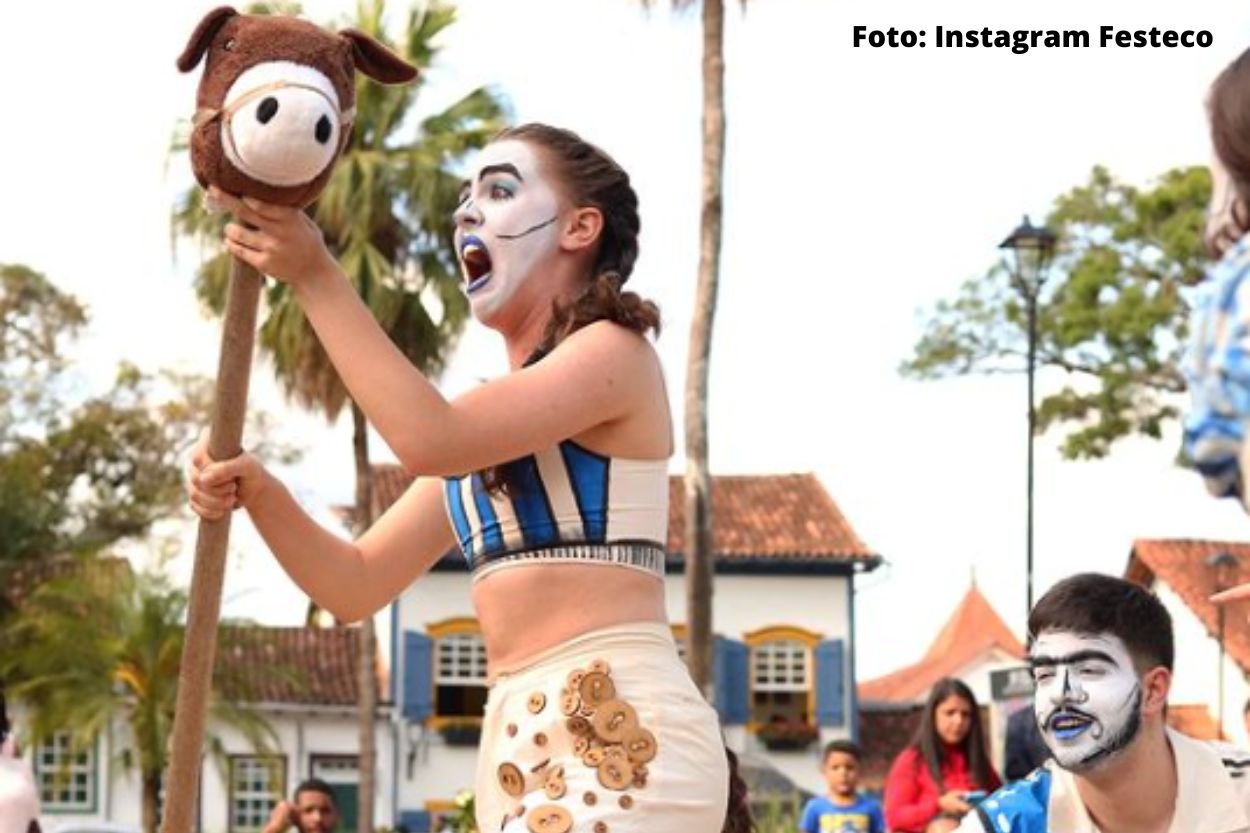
(229, 45)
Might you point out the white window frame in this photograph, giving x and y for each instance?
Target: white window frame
(455, 651)
(60, 787)
(769, 672)
(274, 792)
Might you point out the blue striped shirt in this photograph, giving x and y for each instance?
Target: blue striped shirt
(1217, 370)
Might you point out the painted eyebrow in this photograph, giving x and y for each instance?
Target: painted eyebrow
(1072, 659)
(503, 168)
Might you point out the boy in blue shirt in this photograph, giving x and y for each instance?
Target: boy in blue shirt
(843, 810)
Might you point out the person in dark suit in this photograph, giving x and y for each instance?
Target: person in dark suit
(1025, 750)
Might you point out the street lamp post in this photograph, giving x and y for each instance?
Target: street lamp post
(1032, 247)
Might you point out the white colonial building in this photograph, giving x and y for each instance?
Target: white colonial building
(302, 680)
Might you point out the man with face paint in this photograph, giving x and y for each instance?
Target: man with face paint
(1101, 650)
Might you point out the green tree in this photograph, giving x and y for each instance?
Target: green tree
(79, 471)
(100, 642)
(386, 213)
(1113, 313)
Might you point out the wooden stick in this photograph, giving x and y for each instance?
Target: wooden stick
(225, 437)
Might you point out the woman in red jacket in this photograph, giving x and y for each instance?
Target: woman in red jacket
(936, 780)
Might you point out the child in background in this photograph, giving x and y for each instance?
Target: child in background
(843, 809)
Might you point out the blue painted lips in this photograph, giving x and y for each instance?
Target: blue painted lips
(476, 262)
(1066, 725)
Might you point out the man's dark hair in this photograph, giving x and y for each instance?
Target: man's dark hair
(846, 747)
(1091, 603)
(318, 786)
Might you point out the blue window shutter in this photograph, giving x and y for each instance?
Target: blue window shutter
(830, 683)
(415, 821)
(418, 676)
(729, 681)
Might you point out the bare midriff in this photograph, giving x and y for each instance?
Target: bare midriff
(528, 608)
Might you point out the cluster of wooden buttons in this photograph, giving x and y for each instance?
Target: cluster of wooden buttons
(606, 737)
(606, 734)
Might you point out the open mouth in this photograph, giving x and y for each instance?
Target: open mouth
(475, 262)
(1067, 725)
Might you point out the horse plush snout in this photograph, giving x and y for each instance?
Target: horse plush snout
(283, 124)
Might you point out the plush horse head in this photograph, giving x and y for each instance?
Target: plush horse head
(276, 101)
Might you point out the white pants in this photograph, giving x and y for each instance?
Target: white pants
(603, 734)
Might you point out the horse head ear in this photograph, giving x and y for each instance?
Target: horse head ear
(376, 61)
(203, 35)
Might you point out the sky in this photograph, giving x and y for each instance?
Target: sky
(862, 186)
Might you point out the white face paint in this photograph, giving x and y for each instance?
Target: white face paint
(1088, 696)
(506, 225)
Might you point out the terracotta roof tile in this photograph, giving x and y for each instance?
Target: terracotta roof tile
(784, 516)
(1181, 564)
(778, 516)
(306, 666)
(973, 629)
(24, 577)
(1194, 720)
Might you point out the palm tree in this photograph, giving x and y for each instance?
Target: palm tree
(698, 482)
(100, 641)
(386, 214)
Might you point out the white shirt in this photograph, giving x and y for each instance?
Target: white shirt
(1212, 793)
(19, 797)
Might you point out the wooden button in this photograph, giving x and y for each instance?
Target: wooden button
(541, 765)
(594, 756)
(616, 775)
(540, 739)
(639, 745)
(555, 787)
(575, 677)
(600, 666)
(601, 827)
(578, 725)
(511, 779)
(581, 745)
(640, 776)
(596, 688)
(512, 730)
(537, 702)
(613, 719)
(626, 802)
(549, 818)
(590, 798)
(570, 702)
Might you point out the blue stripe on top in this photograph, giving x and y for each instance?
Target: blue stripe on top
(533, 510)
(588, 474)
(492, 535)
(459, 518)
